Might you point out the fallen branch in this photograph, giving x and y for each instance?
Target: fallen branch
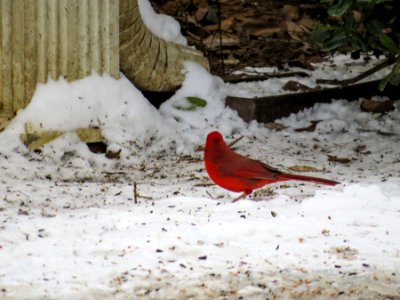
(250, 78)
(268, 109)
(387, 62)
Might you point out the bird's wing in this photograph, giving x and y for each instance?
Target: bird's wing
(254, 169)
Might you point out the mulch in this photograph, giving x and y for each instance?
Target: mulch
(252, 33)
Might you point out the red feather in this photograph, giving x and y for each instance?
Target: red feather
(238, 173)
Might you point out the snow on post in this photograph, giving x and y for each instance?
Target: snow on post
(152, 50)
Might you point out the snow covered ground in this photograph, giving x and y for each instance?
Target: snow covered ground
(72, 226)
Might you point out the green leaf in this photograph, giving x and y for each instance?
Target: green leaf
(396, 67)
(193, 103)
(358, 42)
(383, 1)
(374, 26)
(212, 15)
(384, 82)
(336, 42)
(395, 80)
(196, 101)
(388, 43)
(340, 8)
(321, 34)
(393, 77)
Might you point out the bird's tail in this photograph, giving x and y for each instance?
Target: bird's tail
(285, 176)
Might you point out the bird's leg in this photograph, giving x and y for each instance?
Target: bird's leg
(245, 193)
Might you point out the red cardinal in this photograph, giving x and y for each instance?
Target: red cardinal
(238, 173)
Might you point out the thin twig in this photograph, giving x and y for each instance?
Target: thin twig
(230, 145)
(387, 62)
(250, 78)
(135, 195)
(220, 36)
(208, 193)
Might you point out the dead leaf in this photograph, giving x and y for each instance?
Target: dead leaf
(293, 27)
(113, 154)
(344, 252)
(291, 12)
(360, 148)
(213, 42)
(97, 148)
(261, 26)
(231, 60)
(307, 24)
(300, 169)
(310, 128)
(201, 13)
(267, 31)
(298, 32)
(374, 106)
(340, 160)
(326, 232)
(274, 125)
(225, 25)
(357, 16)
(293, 86)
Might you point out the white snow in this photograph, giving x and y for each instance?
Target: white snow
(72, 228)
(162, 26)
(339, 67)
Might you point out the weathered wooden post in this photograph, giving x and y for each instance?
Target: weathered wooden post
(71, 38)
(39, 38)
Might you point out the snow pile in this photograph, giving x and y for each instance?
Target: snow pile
(162, 26)
(200, 120)
(126, 119)
(94, 101)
